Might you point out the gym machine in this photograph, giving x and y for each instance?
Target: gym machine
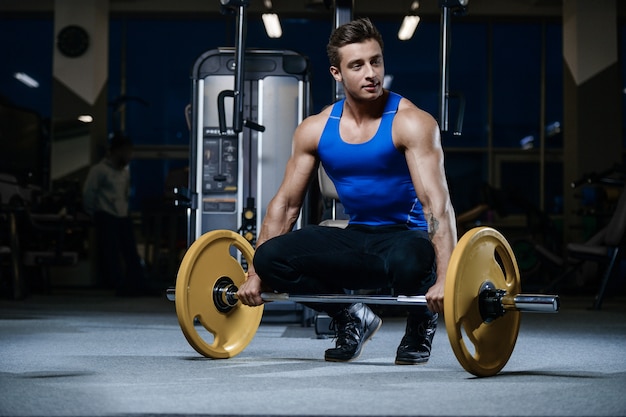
(235, 172)
(246, 104)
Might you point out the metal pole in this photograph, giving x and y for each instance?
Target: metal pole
(536, 303)
(343, 14)
(444, 44)
(542, 122)
(531, 303)
(347, 299)
(240, 53)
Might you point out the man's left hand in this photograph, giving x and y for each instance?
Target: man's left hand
(434, 297)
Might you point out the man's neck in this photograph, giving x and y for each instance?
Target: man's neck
(115, 163)
(363, 110)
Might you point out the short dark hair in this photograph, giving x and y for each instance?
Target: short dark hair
(357, 31)
(118, 140)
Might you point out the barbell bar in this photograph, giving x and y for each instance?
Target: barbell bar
(489, 300)
(482, 298)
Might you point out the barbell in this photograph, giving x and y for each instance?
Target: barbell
(482, 299)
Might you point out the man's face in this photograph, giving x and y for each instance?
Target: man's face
(361, 70)
(122, 156)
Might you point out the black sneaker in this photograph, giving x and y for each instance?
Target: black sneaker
(354, 325)
(415, 346)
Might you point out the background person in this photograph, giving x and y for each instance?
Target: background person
(105, 198)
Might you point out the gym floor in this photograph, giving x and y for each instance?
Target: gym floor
(91, 354)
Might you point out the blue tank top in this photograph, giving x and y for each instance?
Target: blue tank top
(372, 178)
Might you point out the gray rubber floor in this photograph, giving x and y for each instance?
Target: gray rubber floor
(97, 355)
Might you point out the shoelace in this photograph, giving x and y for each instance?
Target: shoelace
(342, 333)
(418, 337)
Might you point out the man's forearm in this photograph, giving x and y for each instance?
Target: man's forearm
(442, 232)
(279, 219)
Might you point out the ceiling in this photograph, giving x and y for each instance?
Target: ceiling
(307, 8)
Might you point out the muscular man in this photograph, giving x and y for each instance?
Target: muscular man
(385, 158)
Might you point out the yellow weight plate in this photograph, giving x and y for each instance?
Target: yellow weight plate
(208, 260)
(481, 255)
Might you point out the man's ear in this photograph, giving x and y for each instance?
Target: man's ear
(334, 71)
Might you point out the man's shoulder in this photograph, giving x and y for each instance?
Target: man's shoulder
(413, 126)
(314, 124)
(105, 168)
(408, 112)
(97, 167)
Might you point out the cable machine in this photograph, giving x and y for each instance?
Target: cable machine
(246, 104)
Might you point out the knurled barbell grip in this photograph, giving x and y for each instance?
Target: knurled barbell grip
(230, 295)
(537, 303)
(347, 299)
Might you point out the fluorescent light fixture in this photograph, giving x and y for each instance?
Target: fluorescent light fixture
(407, 29)
(553, 129)
(272, 25)
(527, 142)
(26, 79)
(454, 3)
(85, 118)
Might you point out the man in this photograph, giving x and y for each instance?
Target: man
(105, 199)
(385, 158)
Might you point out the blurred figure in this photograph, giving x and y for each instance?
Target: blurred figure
(105, 199)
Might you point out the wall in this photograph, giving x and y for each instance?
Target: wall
(502, 68)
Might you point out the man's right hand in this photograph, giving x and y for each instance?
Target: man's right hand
(250, 291)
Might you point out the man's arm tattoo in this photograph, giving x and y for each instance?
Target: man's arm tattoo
(433, 225)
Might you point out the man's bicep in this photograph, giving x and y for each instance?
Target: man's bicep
(427, 172)
(298, 173)
(303, 162)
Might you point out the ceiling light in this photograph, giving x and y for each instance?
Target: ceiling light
(85, 118)
(234, 3)
(453, 3)
(407, 29)
(26, 79)
(272, 25)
